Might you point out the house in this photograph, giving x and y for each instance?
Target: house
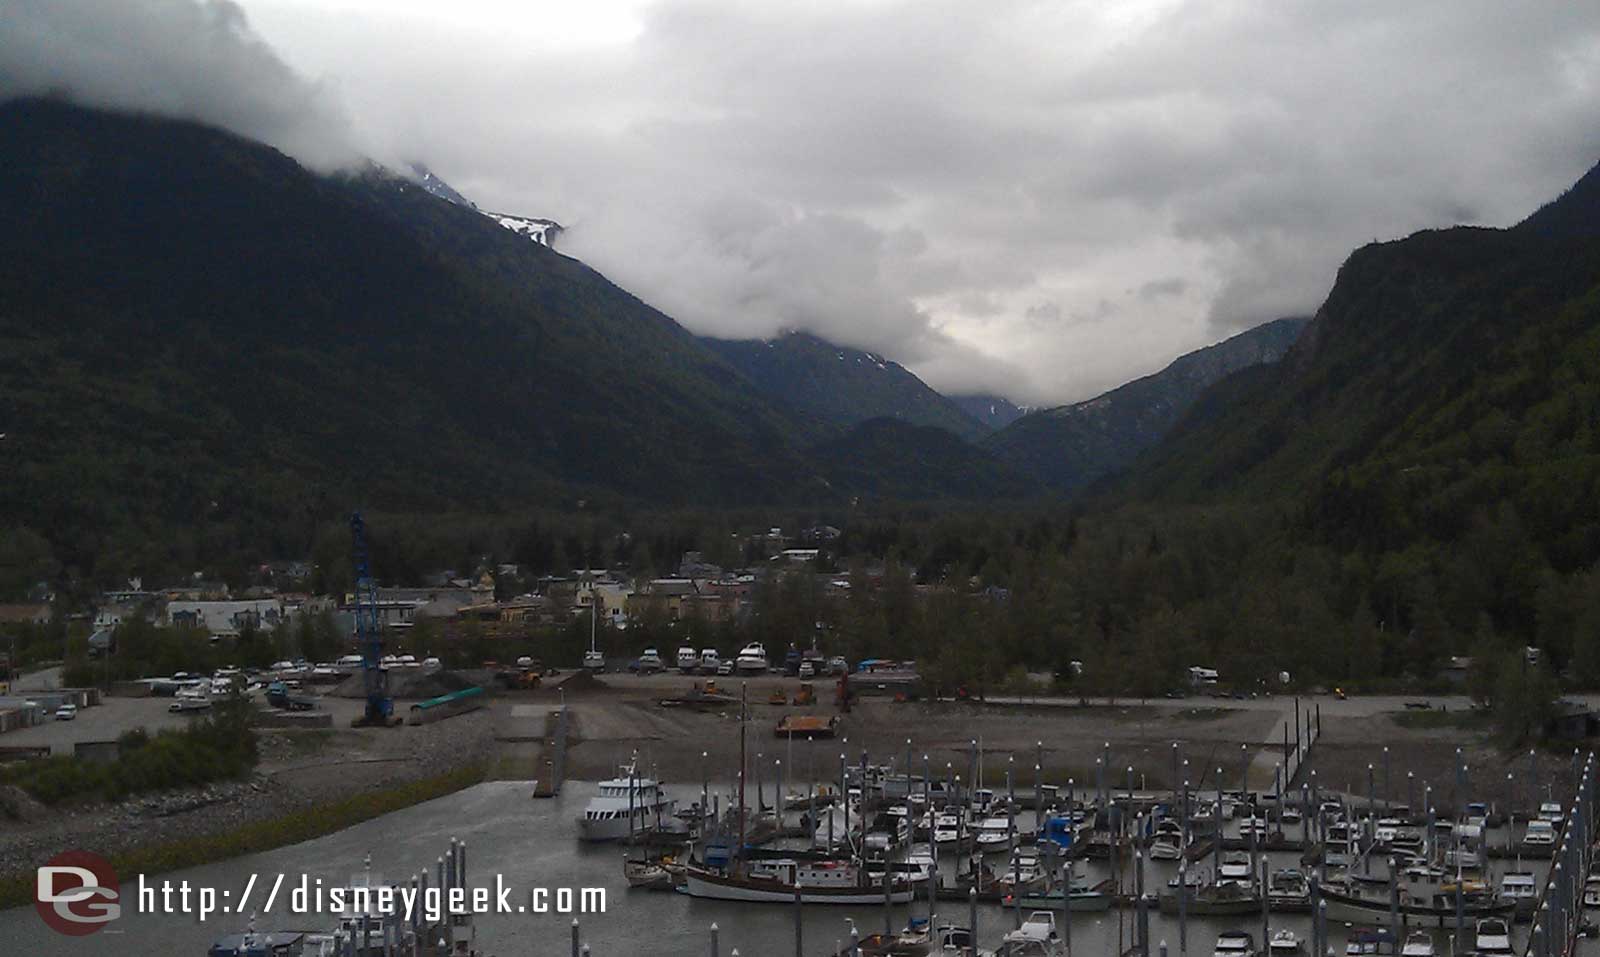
(225, 619)
(672, 596)
(26, 614)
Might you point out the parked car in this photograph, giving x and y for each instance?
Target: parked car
(838, 666)
(726, 668)
(807, 670)
(66, 712)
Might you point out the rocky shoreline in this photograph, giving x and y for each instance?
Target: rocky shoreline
(342, 764)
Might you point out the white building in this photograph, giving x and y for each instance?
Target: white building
(225, 619)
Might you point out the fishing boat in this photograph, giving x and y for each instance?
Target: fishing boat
(752, 659)
(627, 805)
(1234, 943)
(1285, 943)
(1223, 899)
(1418, 944)
(1082, 899)
(1036, 937)
(1421, 902)
(776, 881)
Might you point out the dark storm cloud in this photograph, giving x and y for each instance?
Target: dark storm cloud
(972, 189)
(197, 60)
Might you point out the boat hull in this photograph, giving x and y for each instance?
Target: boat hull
(1357, 910)
(712, 886)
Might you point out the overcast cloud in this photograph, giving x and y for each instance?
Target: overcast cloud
(1040, 199)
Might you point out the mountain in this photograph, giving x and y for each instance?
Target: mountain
(205, 339)
(990, 410)
(1070, 446)
(888, 459)
(429, 181)
(839, 385)
(1447, 390)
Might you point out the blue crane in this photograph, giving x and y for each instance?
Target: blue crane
(369, 632)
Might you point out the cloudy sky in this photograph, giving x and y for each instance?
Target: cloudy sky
(1039, 199)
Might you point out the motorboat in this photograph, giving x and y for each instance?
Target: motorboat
(752, 659)
(1285, 943)
(650, 875)
(1522, 889)
(1260, 827)
(1167, 843)
(1551, 811)
(831, 829)
(992, 834)
(688, 659)
(1418, 944)
(649, 662)
(1591, 891)
(1036, 937)
(626, 805)
(917, 866)
(1289, 814)
(1235, 868)
(916, 940)
(951, 940)
(1365, 941)
(1493, 937)
(1234, 943)
(1540, 834)
(946, 828)
(594, 660)
(1288, 890)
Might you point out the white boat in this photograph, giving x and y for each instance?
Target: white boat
(688, 659)
(830, 830)
(946, 828)
(594, 660)
(775, 882)
(752, 660)
(1259, 826)
(1236, 868)
(626, 805)
(1591, 891)
(1493, 936)
(650, 662)
(951, 940)
(1036, 937)
(992, 834)
(1540, 833)
(1234, 943)
(1418, 944)
(1522, 889)
(1289, 815)
(917, 867)
(1285, 943)
(1167, 844)
(1551, 811)
(709, 660)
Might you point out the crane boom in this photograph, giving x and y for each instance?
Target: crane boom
(369, 632)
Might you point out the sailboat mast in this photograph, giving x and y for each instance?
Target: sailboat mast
(743, 715)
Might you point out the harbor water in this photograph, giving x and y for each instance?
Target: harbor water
(533, 843)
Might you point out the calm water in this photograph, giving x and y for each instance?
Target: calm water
(532, 843)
